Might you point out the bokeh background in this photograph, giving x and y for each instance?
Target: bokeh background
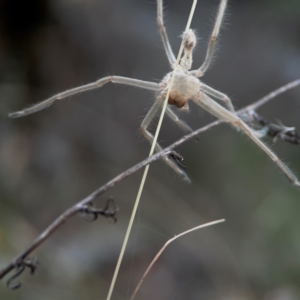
(54, 158)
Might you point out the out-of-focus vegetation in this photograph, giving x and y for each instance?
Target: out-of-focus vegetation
(54, 158)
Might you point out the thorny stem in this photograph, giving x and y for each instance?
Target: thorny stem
(77, 207)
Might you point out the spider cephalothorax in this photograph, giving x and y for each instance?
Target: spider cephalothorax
(186, 86)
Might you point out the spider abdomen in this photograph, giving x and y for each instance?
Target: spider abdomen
(184, 88)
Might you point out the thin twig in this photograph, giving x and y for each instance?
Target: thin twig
(273, 94)
(165, 246)
(79, 207)
(81, 204)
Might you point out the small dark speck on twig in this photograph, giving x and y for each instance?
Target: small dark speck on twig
(90, 212)
(178, 159)
(286, 134)
(20, 267)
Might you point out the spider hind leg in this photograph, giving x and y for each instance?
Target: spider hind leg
(225, 115)
(147, 120)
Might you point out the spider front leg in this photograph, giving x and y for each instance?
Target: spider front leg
(163, 34)
(91, 86)
(223, 114)
(212, 41)
(147, 120)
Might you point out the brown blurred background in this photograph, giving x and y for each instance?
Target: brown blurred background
(52, 159)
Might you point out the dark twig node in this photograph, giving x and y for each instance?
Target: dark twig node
(291, 137)
(178, 159)
(286, 134)
(90, 213)
(20, 267)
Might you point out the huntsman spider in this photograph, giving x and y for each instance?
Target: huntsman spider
(186, 86)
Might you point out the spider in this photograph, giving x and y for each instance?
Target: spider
(186, 86)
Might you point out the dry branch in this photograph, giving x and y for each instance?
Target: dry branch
(81, 205)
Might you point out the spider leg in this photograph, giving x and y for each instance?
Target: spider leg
(91, 86)
(163, 34)
(185, 127)
(218, 95)
(212, 41)
(220, 112)
(173, 116)
(149, 117)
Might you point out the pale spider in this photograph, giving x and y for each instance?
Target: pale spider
(186, 86)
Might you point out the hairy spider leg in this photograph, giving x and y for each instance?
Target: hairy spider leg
(212, 42)
(173, 116)
(163, 34)
(218, 95)
(147, 120)
(91, 86)
(223, 114)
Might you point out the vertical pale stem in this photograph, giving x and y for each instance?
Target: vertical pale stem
(147, 167)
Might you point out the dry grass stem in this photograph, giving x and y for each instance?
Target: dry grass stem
(165, 246)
